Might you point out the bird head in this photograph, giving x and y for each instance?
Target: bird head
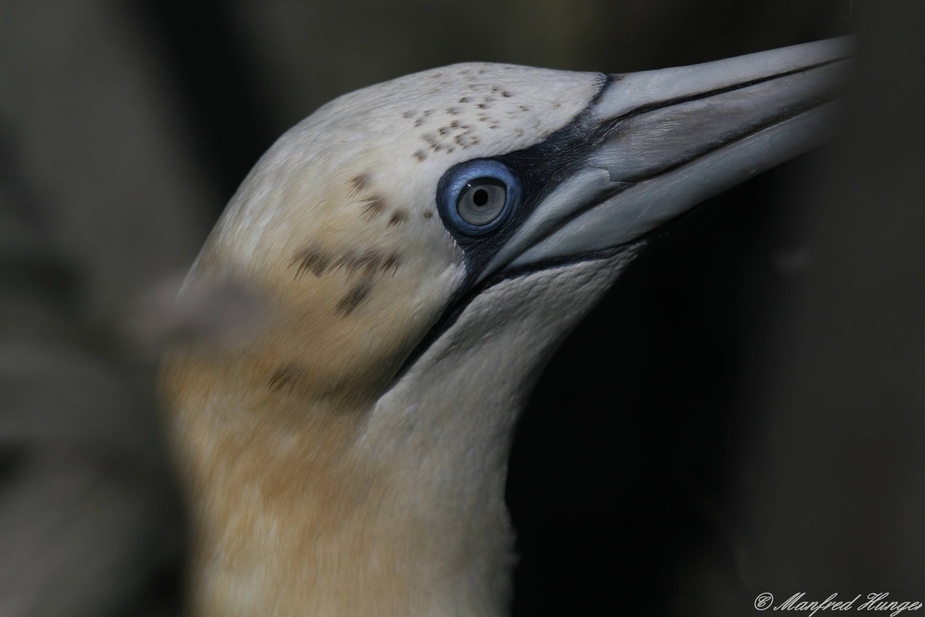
(423, 245)
(376, 218)
(340, 225)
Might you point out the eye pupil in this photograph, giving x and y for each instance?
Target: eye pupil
(482, 201)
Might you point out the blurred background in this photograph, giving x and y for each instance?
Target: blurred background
(742, 414)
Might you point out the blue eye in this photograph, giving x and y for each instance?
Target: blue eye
(475, 197)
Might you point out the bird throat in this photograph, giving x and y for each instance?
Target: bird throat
(327, 515)
(395, 507)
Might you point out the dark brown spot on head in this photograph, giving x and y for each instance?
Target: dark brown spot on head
(453, 111)
(420, 155)
(465, 99)
(408, 114)
(454, 124)
(310, 260)
(359, 182)
(443, 130)
(363, 262)
(482, 106)
(466, 139)
(418, 122)
(285, 377)
(506, 94)
(431, 140)
(391, 263)
(428, 214)
(354, 298)
(373, 206)
(524, 108)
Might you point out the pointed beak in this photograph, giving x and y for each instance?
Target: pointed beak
(656, 143)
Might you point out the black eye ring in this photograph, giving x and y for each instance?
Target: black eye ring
(476, 197)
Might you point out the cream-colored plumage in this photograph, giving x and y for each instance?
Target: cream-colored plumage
(325, 481)
(337, 226)
(340, 211)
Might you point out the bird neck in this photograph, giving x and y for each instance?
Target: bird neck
(314, 507)
(387, 506)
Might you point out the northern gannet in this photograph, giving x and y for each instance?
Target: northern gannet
(424, 245)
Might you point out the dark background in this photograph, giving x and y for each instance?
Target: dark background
(742, 413)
